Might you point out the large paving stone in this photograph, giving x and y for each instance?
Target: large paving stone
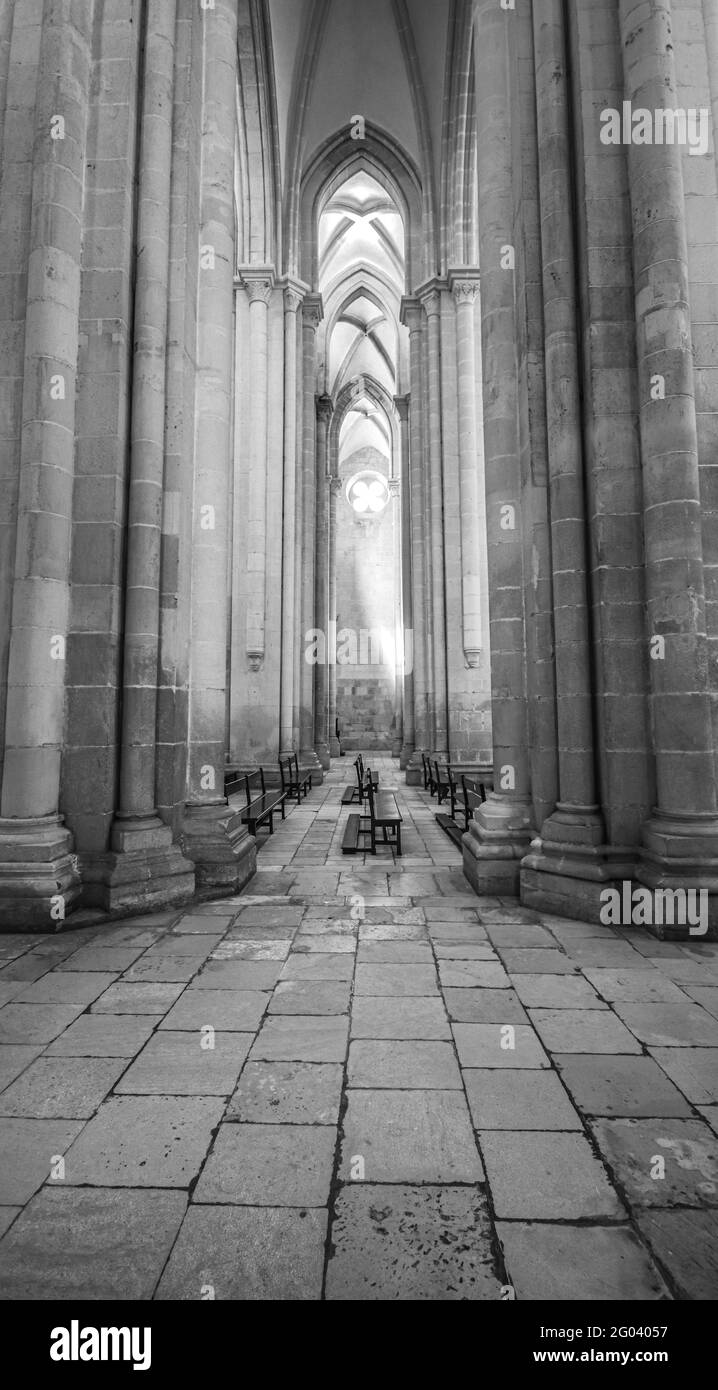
(238, 974)
(409, 1136)
(689, 1173)
(104, 1035)
(35, 1023)
(247, 1254)
(295, 1039)
(387, 980)
(391, 931)
(693, 1069)
(525, 936)
(7, 1216)
(14, 1058)
(299, 1093)
(256, 916)
(66, 987)
(269, 1166)
(144, 1141)
(556, 992)
(225, 1010)
(198, 948)
(392, 1017)
(635, 986)
(394, 953)
(456, 950)
(327, 942)
(403, 1066)
(493, 1045)
(102, 958)
(379, 1231)
(193, 924)
(27, 1150)
(317, 967)
(473, 974)
(176, 1064)
(669, 1025)
(85, 1243)
(65, 1088)
(536, 962)
(686, 1242)
(546, 1177)
(592, 951)
(614, 1085)
(706, 997)
(251, 949)
(139, 998)
(519, 1100)
(582, 1030)
(589, 1263)
(308, 997)
(484, 1006)
(162, 970)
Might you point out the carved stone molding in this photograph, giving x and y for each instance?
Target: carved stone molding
(325, 410)
(312, 311)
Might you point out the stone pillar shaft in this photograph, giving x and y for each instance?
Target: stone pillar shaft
(407, 598)
(398, 741)
(312, 312)
(324, 409)
(258, 284)
(334, 490)
(35, 864)
(292, 302)
(465, 288)
(432, 306)
(413, 318)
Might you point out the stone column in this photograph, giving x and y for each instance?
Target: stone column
(398, 743)
(402, 404)
(335, 488)
(144, 867)
(293, 296)
(565, 870)
(430, 297)
(38, 882)
(500, 833)
(213, 835)
(312, 314)
(259, 283)
(412, 316)
(681, 840)
(465, 288)
(325, 410)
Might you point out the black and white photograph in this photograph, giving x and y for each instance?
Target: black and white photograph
(358, 668)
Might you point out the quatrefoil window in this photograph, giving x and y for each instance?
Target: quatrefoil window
(368, 493)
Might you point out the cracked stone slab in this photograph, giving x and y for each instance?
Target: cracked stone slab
(379, 1230)
(631, 986)
(28, 1149)
(590, 1263)
(473, 974)
(484, 1006)
(73, 1243)
(268, 1254)
(498, 1045)
(620, 1085)
(302, 1093)
(409, 1136)
(519, 1100)
(238, 974)
(225, 1010)
(536, 962)
(144, 1141)
(582, 1030)
(269, 1166)
(403, 1066)
(295, 1039)
(65, 1088)
(177, 1064)
(546, 1177)
(688, 1174)
(687, 1244)
(670, 1025)
(556, 992)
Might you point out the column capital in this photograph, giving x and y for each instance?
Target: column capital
(335, 486)
(258, 281)
(312, 311)
(464, 285)
(411, 314)
(325, 409)
(295, 292)
(429, 296)
(402, 404)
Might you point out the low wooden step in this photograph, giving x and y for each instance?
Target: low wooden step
(453, 830)
(351, 795)
(353, 842)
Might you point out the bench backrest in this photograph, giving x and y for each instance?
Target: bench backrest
(359, 765)
(295, 760)
(369, 788)
(474, 793)
(258, 791)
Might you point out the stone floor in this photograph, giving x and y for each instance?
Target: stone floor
(358, 1081)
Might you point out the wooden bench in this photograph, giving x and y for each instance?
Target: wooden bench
(474, 794)
(233, 783)
(295, 784)
(384, 815)
(262, 805)
(428, 774)
(446, 787)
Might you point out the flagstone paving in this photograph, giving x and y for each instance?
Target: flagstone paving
(357, 1080)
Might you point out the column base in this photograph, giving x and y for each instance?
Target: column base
(224, 853)
(405, 755)
(566, 869)
(681, 853)
(415, 770)
(308, 759)
(39, 882)
(145, 869)
(495, 845)
(335, 750)
(323, 756)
